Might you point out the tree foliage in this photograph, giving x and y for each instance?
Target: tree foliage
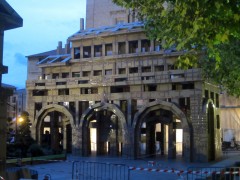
(212, 27)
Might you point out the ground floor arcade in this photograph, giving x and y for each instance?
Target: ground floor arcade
(159, 128)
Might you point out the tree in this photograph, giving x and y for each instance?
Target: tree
(24, 139)
(208, 31)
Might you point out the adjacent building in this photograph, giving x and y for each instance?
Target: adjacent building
(9, 19)
(112, 91)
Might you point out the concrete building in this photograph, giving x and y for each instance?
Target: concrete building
(16, 103)
(111, 91)
(9, 19)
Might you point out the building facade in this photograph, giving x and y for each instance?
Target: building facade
(111, 91)
(16, 104)
(9, 19)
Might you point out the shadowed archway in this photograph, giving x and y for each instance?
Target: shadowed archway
(167, 111)
(110, 127)
(53, 127)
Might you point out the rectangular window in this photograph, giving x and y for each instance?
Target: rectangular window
(133, 70)
(108, 50)
(108, 72)
(55, 75)
(97, 50)
(63, 92)
(133, 46)
(212, 96)
(146, 69)
(39, 84)
(40, 93)
(89, 90)
(83, 82)
(206, 94)
(120, 79)
(61, 83)
(75, 74)
(86, 73)
(38, 106)
(120, 89)
(77, 53)
(122, 71)
(121, 48)
(150, 87)
(86, 51)
(145, 45)
(170, 67)
(159, 68)
(176, 76)
(65, 75)
(97, 73)
(189, 85)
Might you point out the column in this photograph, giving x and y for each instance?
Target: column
(127, 47)
(54, 131)
(3, 111)
(171, 142)
(77, 119)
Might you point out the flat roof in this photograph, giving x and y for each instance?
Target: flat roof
(105, 29)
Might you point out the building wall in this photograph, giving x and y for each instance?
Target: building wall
(93, 84)
(105, 13)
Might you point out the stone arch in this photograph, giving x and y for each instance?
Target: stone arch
(186, 125)
(36, 127)
(98, 107)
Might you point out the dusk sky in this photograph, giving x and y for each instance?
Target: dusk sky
(45, 23)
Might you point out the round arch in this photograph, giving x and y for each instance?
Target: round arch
(186, 125)
(47, 109)
(84, 122)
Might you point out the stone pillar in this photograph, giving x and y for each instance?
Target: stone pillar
(127, 47)
(77, 118)
(77, 148)
(103, 50)
(115, 48)
(54, 131)
(92, 51)
(171, 142)
(114, 139)
(81, 52)
(129, 110)
(163, 139)
(152, 46)
(139, 49)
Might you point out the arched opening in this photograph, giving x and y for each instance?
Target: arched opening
(53, 128)
(161, 128)
(103, 130)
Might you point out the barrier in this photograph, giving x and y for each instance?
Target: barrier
(213, 173)
(96, 170)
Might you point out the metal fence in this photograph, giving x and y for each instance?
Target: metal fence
(213, 173)
(84, 170)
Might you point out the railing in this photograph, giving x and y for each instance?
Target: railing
(82, 170)
(214, 173)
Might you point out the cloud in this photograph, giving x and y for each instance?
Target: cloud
(20, 59)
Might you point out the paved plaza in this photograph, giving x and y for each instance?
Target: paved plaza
(62, 170)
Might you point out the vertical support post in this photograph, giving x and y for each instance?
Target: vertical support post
(2, 112)
(171, 142)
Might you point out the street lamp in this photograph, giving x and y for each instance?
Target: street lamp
(19, 119)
